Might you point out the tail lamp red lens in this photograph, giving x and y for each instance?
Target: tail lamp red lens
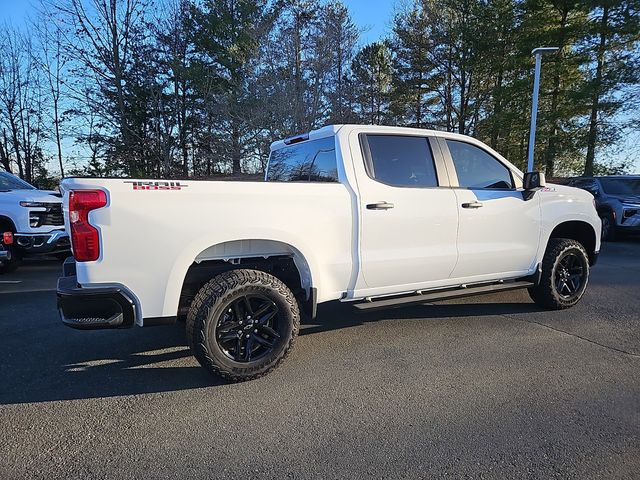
(85, 238)
(7, 238)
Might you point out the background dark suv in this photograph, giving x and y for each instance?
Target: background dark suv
(617, 200)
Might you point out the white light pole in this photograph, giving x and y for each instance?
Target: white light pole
(538, 52)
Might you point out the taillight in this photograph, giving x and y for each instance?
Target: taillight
(7, 238)
(85, 238)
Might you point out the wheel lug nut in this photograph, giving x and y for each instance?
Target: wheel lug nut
(255, 331)
(248, 336)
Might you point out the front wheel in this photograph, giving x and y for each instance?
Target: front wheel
(242, 324)
(565, 273)
(608, 228)
(13, 261)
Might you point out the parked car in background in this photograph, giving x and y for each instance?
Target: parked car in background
(6, 240)
(617, 201)
(34, 219)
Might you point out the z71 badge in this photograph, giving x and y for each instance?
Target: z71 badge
(163, 185)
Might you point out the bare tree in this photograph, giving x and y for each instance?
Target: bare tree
(22, 103)
(53, 64)
(100, 35)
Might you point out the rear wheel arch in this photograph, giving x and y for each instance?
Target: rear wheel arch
(581, 232)
(277, 258)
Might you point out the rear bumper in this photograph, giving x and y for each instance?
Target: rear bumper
(93, 308)
(53, 242)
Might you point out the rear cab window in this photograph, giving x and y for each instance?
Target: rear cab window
(308, 161)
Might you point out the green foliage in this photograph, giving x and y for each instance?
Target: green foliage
(166, 88)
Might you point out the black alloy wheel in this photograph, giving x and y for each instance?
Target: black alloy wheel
(248, 329)
(570, 274)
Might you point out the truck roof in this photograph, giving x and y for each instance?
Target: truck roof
(329, 130)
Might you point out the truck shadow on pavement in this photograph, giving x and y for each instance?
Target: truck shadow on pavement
(335, 316)
(45, 361)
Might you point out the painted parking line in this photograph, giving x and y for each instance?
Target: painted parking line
(11, 281)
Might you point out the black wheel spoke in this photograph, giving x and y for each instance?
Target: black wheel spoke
(247, 305)
(575, 276)
(239, 348)
(568, 261)
(268, 316)
(248, 348)
(270, 332)
(570, 287)
(263, 309)
(228, 327)
(262, 341)
(237, 312)
(575, 286)
(227, 336)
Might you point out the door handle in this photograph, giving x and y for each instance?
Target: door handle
(472, 205)
(380, 206)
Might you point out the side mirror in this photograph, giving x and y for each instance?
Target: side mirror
(533, 181)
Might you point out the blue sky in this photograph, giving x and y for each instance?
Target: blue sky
(370, 15)
(14, 11)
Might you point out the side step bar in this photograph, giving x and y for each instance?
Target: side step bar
(444, 295)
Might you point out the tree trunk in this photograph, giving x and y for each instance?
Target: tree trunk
(56, 123)
(592, 136)
(16, 146)
(550, 153)
(236, 154)
(497, 110)
(4, 153)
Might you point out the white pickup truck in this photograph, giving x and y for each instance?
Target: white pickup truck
(380, 216)
(33, 220)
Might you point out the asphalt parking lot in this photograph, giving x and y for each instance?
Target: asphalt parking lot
(488, 387)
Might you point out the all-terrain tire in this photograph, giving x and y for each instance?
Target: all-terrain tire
(546, 293)
(215, 300)
(13, 263)
(609, 233)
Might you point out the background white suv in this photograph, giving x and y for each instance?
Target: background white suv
(35, 219)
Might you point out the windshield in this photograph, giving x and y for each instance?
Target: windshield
(621, 186)
(11, 182)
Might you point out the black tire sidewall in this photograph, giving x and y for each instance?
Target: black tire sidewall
(609, 233)
(546, 292)
(205, 319)
(9, 266)
(285, 328)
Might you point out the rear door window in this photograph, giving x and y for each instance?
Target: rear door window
(310, 161)
(400, 160)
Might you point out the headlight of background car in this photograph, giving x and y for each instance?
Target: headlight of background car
(630, 209)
